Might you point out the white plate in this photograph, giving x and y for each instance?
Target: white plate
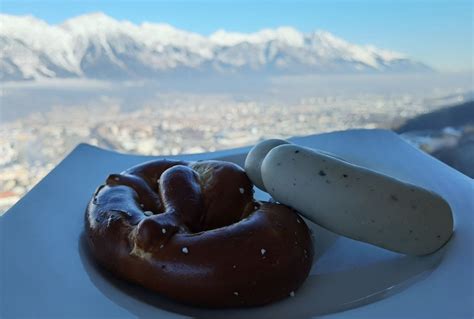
(46, 270)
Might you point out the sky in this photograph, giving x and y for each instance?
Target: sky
(439, 33)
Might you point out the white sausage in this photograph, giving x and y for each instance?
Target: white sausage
(357, 202)
(254, 159)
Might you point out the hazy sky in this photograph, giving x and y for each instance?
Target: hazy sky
(437, 32)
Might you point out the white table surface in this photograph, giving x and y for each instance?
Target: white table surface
(46, 270)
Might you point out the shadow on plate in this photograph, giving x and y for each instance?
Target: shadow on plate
(328, 289)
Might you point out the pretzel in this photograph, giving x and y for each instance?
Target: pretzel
(192, 231)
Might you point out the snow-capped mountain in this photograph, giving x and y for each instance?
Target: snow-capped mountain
(98, 46)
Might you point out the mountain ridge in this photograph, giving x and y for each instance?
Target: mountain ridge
(100, 47)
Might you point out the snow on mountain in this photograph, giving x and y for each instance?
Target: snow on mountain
(98, 46)
(287, 35)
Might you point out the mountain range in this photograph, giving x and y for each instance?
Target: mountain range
(100, 47)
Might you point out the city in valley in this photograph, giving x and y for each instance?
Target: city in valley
(187, 123)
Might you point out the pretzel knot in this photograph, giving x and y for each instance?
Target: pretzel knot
(193, 232)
